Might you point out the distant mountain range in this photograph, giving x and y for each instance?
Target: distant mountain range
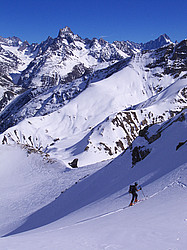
(80, 96)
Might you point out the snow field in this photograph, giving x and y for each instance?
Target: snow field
(90, 214)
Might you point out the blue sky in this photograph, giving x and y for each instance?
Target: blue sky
(138, 21)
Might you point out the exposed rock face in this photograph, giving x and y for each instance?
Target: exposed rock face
(159, 42)
(127, 47)
(141, 149)
(152, 138)
(173, 59)
(131, 47)
(8, 90)
(63, 55)
(138, 154)
(15, 56)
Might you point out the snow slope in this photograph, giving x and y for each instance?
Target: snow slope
(90, 214)
(92, 106)
(29, 181)
(87, 121)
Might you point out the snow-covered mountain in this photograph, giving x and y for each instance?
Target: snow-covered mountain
(53, 72)
(101, 94)
(120, 109)
(15, 56)
(111, 107)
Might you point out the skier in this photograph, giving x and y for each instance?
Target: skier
(132, 190)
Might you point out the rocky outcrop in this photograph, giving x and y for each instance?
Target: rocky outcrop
(140, 149)
(173, 59)
(139, 153)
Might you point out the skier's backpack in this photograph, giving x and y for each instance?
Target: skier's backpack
(131, 189)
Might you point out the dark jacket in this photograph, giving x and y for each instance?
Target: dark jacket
(133, 189)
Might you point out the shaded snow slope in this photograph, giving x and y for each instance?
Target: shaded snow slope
(29, 181)
(22, 177)
(89, 215)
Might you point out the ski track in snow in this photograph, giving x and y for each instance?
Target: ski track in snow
(90, 219)
(182, 185)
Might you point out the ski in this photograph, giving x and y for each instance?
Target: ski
(137, 202)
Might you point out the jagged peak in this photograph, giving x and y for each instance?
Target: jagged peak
(164, 37)
(102, 41)
(64, 31)
(14, 41)
(26, 42)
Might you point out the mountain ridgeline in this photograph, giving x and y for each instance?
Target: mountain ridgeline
(103, 94)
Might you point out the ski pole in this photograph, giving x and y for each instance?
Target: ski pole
(142, 191)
